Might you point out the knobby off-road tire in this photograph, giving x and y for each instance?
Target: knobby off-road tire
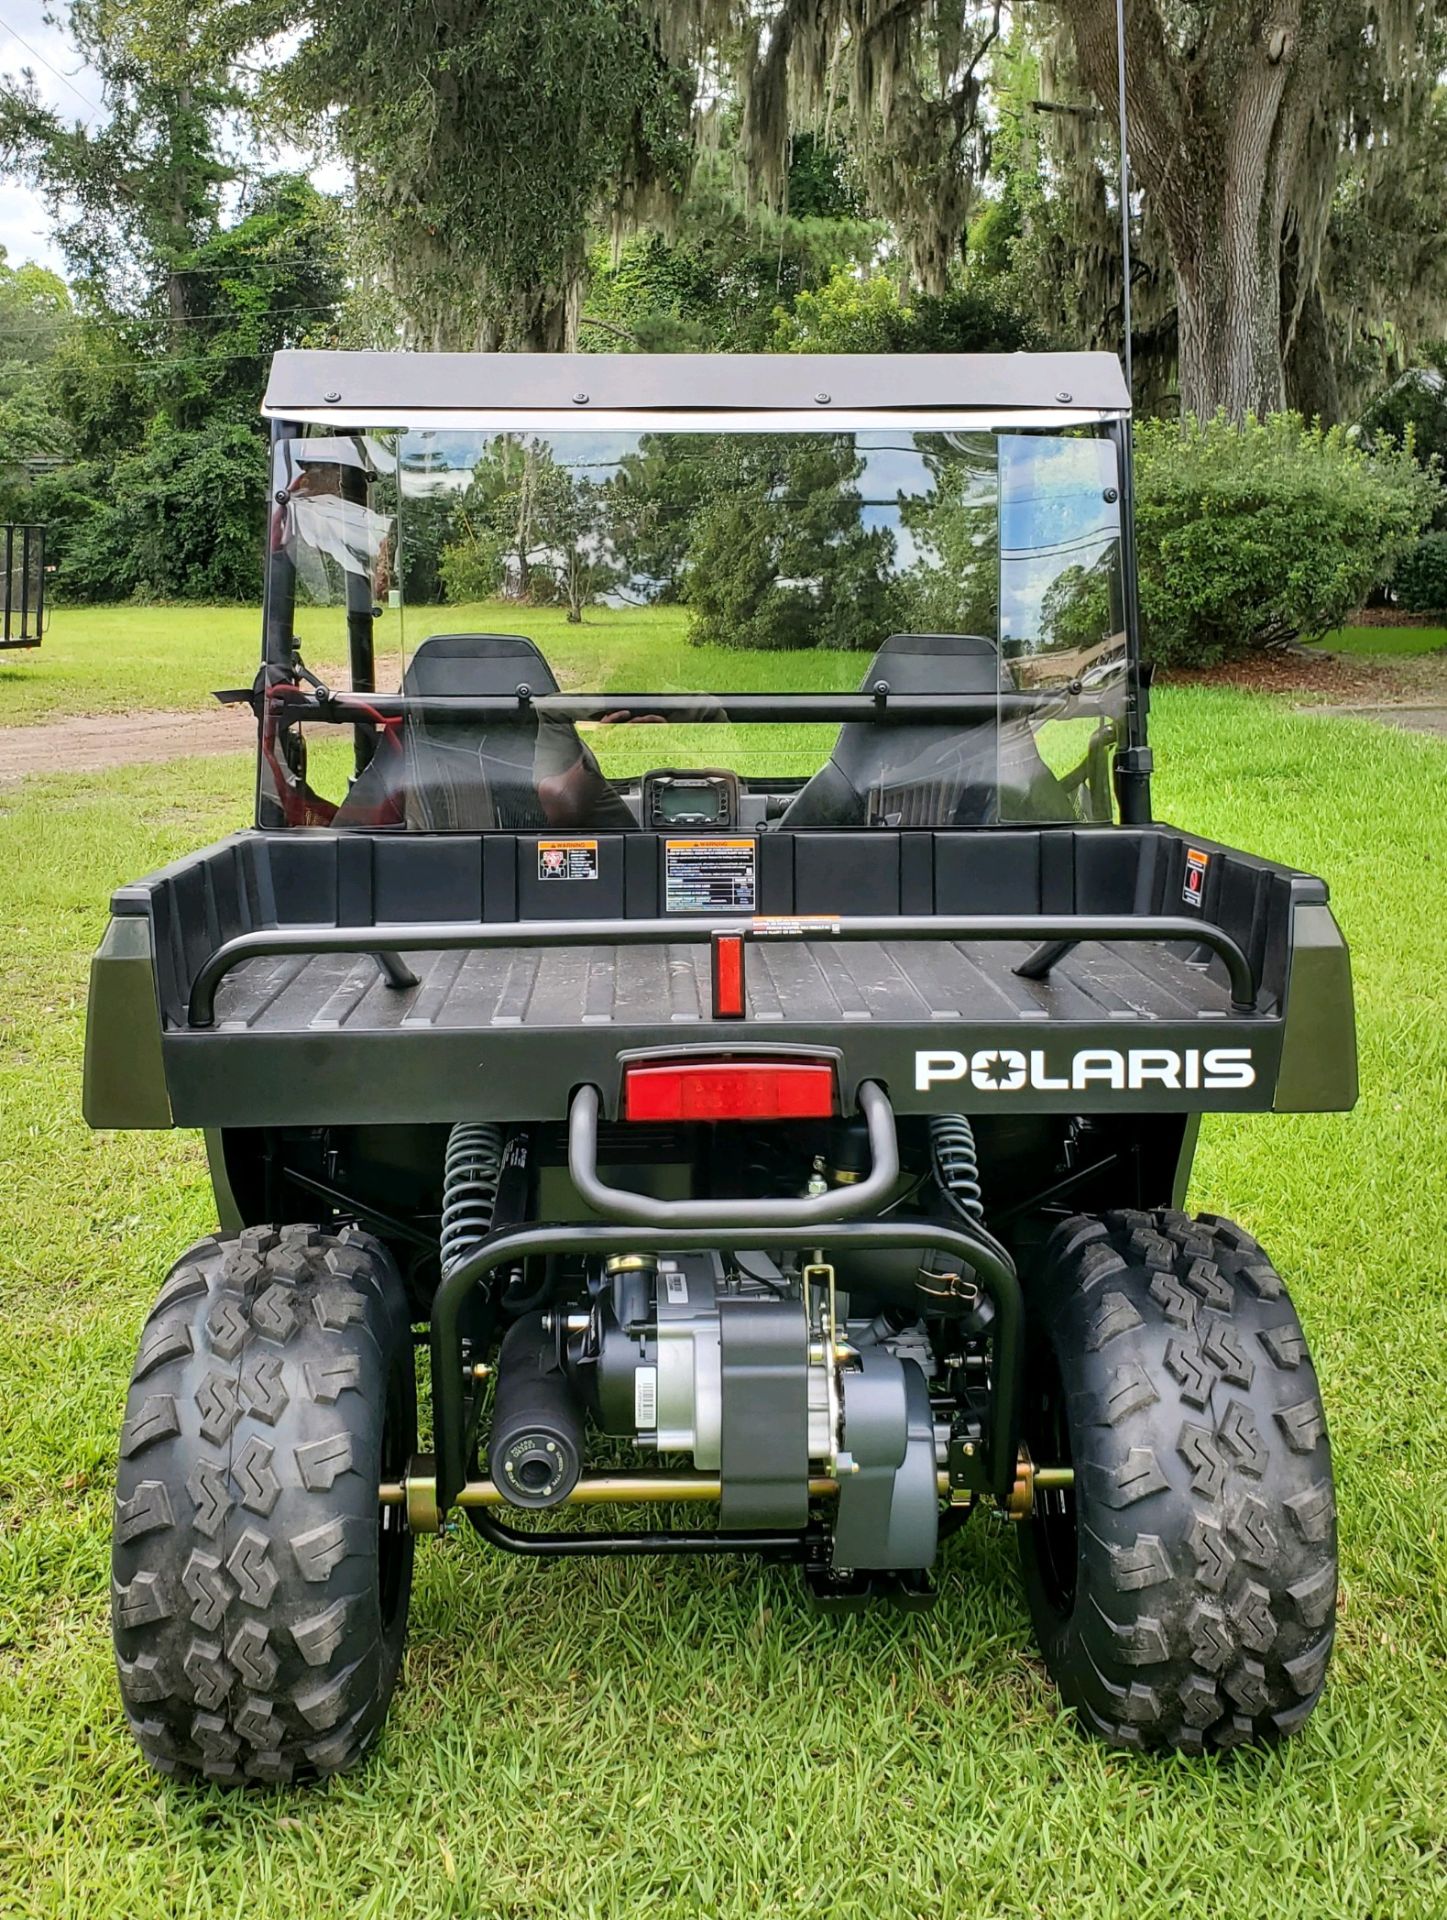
(259, 1594)
(1184, 1594)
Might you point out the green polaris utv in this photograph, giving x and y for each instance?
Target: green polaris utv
(757, 1072)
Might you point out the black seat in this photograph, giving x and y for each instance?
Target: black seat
(932, 774)
(471, 773)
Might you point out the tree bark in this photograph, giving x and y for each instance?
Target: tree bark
(1216, 131)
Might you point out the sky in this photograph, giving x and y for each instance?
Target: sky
(66, 83)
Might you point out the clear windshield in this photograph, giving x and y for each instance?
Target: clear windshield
(966, 580)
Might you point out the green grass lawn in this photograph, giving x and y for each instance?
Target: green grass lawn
(100, 660)
(111, 659)
(602, 1740)
(1385, 642)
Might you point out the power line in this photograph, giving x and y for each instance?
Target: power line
(36, 54)
(232, 313)
(163, 363)
(287, 265)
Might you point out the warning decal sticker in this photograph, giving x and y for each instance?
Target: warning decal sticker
(567, 859)
(1193, 888)
(787, 926)
(708, 876)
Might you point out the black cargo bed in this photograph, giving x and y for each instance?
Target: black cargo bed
(502, 1024)
(789, 983)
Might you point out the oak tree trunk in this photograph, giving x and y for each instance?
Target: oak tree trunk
(1228, 299)
(1216, 132)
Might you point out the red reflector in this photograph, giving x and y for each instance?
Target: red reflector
(729, 1090)
(728, 976)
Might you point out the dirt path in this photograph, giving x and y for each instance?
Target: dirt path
(1416, 719)
(106, 740)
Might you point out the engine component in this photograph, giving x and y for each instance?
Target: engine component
(688, 1362)
(535, 1453)
(471, 1172)
(888, 1504)
(760, 1376)
(766, 1365)
(652, 1363)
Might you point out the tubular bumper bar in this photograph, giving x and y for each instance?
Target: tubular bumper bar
(641, 1209)
(989, 1263)
(462, 935)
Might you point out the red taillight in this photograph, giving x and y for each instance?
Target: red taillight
(729, 1090)
(728, 976)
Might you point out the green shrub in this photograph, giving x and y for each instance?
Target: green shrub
(181, 518)
(474, 567)
(850, 315)
(1420, 582)
(1255, 535)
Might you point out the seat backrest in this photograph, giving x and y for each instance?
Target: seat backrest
(462, 772)
(469, 772)
(477, 663)
(931, 773)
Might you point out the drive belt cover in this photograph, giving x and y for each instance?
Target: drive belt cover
(764, 1460)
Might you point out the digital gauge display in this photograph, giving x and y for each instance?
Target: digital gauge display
(690, 799)
(679, 802)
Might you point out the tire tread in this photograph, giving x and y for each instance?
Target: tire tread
(249, 1640)
(1206, 1582)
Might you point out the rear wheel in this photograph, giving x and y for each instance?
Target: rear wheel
(259, 1593)
(1184, 1591)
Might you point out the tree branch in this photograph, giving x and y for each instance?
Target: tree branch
(607, 326)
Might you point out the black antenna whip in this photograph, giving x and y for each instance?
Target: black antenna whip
(1124, 187)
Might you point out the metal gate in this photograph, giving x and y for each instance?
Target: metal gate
(23, 587)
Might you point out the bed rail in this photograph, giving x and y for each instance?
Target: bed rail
(456, 935)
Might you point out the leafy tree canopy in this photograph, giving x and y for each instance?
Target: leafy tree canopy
(851, 314)
(35, 316)
(531, 527)
(487, 141)
(180, 518)
(779, 554)
(714, 279)
(188, 271)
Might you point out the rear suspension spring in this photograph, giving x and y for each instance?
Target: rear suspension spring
(470, 1175)
(956, 1163)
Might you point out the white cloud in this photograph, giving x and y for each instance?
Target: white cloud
(28, 42)
(63, 81)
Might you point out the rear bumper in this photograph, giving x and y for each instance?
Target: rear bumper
(246, 1079)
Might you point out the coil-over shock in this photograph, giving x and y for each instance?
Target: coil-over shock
(535, 1442)
(471, 1172)
(956, 1163)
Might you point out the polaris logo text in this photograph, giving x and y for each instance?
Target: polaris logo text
(1003, 1070)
